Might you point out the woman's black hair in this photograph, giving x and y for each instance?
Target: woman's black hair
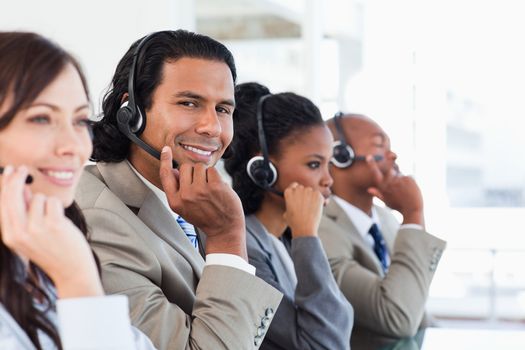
(285, 115)
(109, 144)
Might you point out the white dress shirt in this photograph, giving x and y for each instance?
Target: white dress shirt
(224, 259)
(95, 323)
(363, 222)
(98, 323)
(360, 219)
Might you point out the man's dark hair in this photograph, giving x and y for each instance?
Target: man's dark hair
(109, 144)
(285, 116)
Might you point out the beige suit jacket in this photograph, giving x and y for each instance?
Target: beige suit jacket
(174, 299)
(391, 305)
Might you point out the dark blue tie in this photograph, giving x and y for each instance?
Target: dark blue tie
(379, 246)
(189, 230)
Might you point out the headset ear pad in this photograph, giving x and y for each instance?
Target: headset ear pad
(139, 123)
(262, 175)
(343, 155)
(124, 116)
(130, 121)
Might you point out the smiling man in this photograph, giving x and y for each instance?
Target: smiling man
(173, 240)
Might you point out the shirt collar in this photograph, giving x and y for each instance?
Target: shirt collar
(157, 191)
(359, 218)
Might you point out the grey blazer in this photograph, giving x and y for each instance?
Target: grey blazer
(313, 315)
(174, 299)
(391, 305)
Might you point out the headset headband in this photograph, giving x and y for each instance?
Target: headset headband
(340, 132)
(260, 127)
(133, 71)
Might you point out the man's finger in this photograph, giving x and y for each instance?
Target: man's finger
(168, 176)
(213, 175)
(376, 193)
(199, 174)
(185, 175)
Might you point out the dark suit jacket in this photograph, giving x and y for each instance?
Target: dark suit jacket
(174, 299)
(313, 315)
(391, 305)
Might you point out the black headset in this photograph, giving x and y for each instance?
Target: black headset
(259, 168)
(343, 154)
(131, 120)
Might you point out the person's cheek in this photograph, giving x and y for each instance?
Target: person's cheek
(227, 133)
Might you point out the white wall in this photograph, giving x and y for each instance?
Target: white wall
(97, 32)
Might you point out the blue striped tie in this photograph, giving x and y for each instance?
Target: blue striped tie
(379, 246)
(189, 230)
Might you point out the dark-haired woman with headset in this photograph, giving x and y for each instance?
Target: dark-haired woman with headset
(51, 296)
(279, 168)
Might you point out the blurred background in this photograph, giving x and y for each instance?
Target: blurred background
(446, 80)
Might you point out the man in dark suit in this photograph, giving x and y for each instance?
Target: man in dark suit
(383, 269)
(174, 91)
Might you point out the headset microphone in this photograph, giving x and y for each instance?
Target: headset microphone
(130, 119)
(29, 178)
(259, 168)
(123, 118)
(343, 154)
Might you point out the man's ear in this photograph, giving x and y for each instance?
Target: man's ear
(124, 98)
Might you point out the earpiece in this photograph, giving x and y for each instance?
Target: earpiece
(130, 111)
(263, 176)
(343, 154)
(130, 120)
(259, 168)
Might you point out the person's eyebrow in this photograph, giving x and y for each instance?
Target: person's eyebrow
(195, 96)
(189, 94)
(228, 102)
(381, 135)
(56, 108)
(318, 156)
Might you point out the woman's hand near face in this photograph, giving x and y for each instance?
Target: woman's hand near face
(304, 207)
(35, 227)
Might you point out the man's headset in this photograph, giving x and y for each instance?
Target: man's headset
(259, 168)
(343, 154)
(131, 120)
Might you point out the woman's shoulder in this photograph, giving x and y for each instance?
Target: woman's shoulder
(11, 334)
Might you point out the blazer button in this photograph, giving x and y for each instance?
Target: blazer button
(265, 322)
(260, 332)
(269, 313)
(257, 341)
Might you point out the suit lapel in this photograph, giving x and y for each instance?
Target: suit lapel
(337, 214)
(161, 221)
(265, 243)
(126, 185)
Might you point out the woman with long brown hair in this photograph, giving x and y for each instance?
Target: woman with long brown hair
(51, 296)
